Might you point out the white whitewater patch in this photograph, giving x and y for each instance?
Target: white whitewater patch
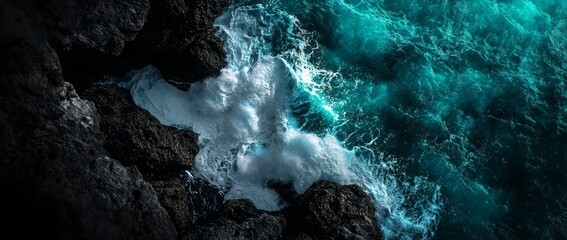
(247, 134)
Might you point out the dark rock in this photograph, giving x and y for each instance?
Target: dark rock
(325, 211)
(286, 190)
(56, 179)
(239, 219)
(172, 195)
(178, 40)
(176, 37)
(330, 211)
(89, 35)
(101, 25)
(204, 199)
(135, 137)
(85, 67)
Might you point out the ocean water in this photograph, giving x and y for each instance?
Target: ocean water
(450, 113)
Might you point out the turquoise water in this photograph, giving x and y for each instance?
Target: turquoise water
(451, 114)
(470, 94)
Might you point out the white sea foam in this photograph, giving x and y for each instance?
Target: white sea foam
(247, 134)
(244, 132)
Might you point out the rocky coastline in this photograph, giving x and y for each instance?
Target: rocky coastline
(82, 161)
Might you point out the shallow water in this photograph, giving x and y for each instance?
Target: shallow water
(451, 114)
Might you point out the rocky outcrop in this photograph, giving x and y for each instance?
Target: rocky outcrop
(56, 178)
(240, 220)
(135, 137)
(325, 211)
(179, 41)
(204, 198)
(57, 182)
(101, 25)
(330, 211)
(177, 37)
(172, 195)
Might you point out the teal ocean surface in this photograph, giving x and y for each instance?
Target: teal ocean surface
(451, 114)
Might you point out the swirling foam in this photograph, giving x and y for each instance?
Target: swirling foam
(250, 133)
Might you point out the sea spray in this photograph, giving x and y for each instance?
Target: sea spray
(451, 114)
(265, 117)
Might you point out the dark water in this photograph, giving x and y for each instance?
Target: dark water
(465, 102)
(471, 94)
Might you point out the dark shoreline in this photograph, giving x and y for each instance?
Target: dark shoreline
(89, 164)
